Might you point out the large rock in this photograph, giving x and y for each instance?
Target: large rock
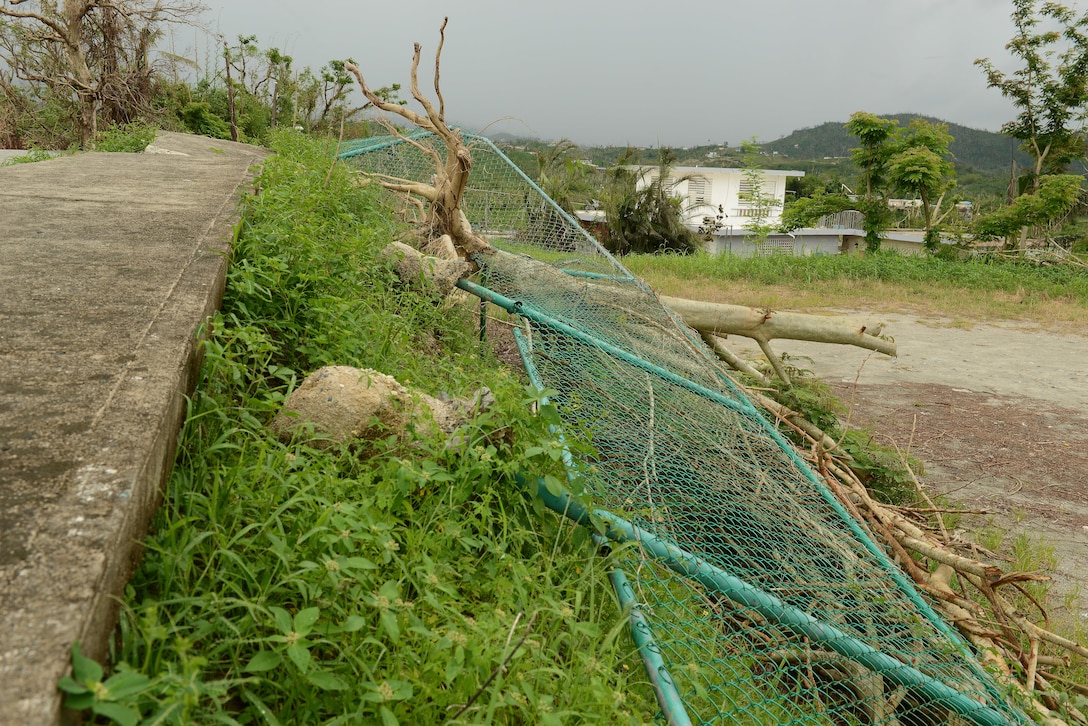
(343, 404)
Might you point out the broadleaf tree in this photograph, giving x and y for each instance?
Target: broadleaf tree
(1050, 93)
(890, 159)
(1050, 89)
(877, 138)
(920, 166)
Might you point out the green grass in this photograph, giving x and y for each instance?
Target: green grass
(978, 274)
(128, 138)
(30, 157)
(284, 584)
(1053, 296)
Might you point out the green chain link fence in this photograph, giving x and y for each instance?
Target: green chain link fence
(754, 597)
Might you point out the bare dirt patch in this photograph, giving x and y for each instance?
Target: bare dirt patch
(999, 415)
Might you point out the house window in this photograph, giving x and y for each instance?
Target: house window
(698, 190)
(653, 176)
(749, 188)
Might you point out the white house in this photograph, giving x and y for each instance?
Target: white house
(725, 196)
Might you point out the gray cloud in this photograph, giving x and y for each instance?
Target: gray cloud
(678, 74)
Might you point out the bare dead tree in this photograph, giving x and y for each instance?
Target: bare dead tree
(445, 217)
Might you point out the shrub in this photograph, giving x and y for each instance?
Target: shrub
(130, 138)
(199, 119)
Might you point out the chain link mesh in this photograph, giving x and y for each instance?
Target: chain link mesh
(684, 455)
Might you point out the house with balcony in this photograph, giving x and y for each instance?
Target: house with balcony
(726, 201)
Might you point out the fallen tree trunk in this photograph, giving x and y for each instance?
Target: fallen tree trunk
(766, 325)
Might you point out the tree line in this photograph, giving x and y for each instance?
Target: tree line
(69, 71)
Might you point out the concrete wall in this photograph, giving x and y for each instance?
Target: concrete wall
(809, 242)
(801, 245)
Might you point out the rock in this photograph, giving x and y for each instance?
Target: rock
(343, 404)
(424, 272)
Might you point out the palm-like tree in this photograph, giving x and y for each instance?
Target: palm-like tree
(650, 218)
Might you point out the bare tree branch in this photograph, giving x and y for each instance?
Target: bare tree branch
(451, 175)
(438, 68)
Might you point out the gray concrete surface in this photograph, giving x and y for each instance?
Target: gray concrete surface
(108, 263)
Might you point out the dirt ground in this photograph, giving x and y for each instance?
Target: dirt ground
(999, 416)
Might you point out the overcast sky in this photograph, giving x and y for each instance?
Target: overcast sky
(612, 72)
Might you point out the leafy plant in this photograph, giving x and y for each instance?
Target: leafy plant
(644, 214)
(86, 689)
(881, 468)
(199, 119)
(30, 157)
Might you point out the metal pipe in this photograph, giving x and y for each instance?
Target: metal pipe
(527, 311)
(525, 350)
(483, 313)
(672, 703)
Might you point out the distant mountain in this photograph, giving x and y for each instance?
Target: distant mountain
(506, 138)
(984, 151)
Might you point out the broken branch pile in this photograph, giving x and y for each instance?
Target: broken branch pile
(971, 592)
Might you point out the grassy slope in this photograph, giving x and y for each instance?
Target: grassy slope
(283, 584)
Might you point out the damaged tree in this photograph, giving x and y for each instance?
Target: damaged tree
(763, 326)
(90, 58)
(446, 224)
(447, 232)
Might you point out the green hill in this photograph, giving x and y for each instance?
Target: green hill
(984, 151)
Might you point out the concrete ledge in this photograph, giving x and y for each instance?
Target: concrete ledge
(108, 264)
